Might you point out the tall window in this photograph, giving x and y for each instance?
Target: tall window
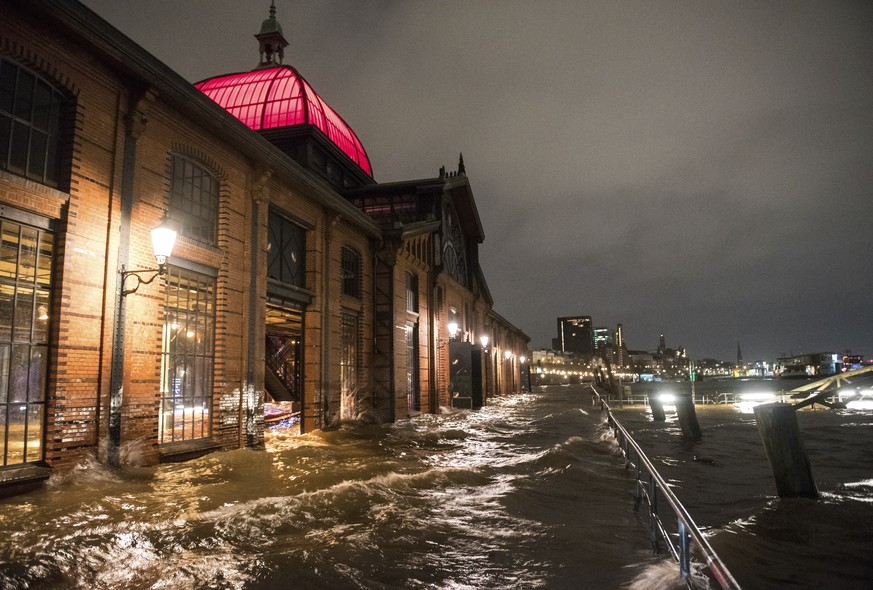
(413, 388)
(31, 116)
(25, 284)
(349, 359)
(411, 292)
(351, 273)
(194, 200)
(286, 257)
(188, 356)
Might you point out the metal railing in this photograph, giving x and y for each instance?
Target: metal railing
(685, 538)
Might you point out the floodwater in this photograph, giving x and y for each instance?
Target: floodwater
(527, 492)
(726, 483)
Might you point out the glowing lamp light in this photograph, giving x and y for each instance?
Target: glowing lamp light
(522, 358)
(484, 340)
(507, 355)
(163, 240)
(453, 329)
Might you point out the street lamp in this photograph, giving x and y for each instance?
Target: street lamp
(453, 329)
(163, 240)
(484, 340)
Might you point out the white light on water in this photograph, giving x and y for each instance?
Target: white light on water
(860, 404)
(746, 402)
(859, 399)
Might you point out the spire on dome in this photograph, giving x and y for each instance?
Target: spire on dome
(461, 168)
(271, 41)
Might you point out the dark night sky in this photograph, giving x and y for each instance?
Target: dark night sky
(700, 169)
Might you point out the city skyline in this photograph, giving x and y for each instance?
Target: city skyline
(700, 170)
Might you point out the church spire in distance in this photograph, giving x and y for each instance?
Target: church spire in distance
(271, 41)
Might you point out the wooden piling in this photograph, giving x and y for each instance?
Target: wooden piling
(777, 424)
(688, 417)
(657, 408)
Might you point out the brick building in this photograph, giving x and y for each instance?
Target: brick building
(284, 281)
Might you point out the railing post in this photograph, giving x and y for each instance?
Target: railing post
(653, 512)
(684, 551)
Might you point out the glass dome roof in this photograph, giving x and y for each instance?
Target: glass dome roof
(280, 97)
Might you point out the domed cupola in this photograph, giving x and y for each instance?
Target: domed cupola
(277, 101)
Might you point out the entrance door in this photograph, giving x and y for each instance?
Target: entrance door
(284, 333)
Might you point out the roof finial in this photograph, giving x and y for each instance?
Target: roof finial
(461, 168)
(271, 41)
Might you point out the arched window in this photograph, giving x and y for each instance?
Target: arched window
(31, 122)
(194, 200)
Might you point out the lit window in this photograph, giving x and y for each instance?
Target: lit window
(31, 117)
(194, 200)
(412, 292)
(349, 360)
(188, 356)
(25, 285)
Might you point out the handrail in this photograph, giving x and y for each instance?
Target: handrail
(652, 490)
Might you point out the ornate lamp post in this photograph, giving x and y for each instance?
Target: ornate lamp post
(163, 240)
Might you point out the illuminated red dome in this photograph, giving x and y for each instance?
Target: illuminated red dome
(277, 97)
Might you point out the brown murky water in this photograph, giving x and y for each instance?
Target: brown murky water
(526, 493)
(520, 494)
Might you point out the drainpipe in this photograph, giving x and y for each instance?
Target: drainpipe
(135, 126)
(330, 222)
(248, 401)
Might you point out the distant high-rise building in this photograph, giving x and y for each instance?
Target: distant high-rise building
(603, 337)
(576, 335)
(619, 336)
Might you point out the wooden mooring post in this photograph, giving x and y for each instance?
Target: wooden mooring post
(777, 424)
(688, 417)
(657, 405)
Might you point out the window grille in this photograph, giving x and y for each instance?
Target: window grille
(188, 356)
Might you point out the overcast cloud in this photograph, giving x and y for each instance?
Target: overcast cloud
(699, 169)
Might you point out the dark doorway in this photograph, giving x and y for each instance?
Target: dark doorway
(284, 339)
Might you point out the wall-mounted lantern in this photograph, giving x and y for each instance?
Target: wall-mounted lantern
(484, 340)
(453, 329)
(163, 240)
